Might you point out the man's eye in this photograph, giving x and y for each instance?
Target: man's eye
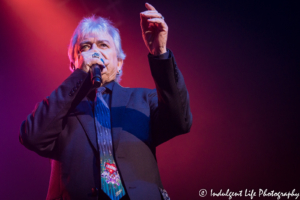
(85, 48)
(103, 45)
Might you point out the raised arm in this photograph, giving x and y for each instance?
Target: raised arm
(170, 108)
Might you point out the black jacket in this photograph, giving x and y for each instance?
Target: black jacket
(62, 128)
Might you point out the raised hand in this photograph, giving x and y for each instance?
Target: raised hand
(154, 30)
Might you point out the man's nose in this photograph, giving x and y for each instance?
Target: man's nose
(95, 48)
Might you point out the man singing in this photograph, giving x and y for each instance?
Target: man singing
(101, 140)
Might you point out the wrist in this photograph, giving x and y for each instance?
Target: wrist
(159, 51)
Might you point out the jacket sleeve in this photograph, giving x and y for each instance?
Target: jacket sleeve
(170, 108)
(43, 126)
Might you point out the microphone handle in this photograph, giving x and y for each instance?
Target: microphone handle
(96, 75)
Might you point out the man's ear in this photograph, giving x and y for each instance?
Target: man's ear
(77, 63)
(72, 66)
(120, 63)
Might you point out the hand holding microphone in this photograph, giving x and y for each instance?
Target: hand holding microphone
(91, 62)
(96, 71)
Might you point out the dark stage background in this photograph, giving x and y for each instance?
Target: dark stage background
(240, 60)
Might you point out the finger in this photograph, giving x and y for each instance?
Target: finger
(90, 60)
(94, 61)
(150, 11)
(151, 14)
(146, 15)
(144, 23)
(103, 62)
(157, 20)
(149, 6)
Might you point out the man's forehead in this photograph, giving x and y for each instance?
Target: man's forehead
(99, 35)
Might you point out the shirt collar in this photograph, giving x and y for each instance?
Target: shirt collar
(109, 86)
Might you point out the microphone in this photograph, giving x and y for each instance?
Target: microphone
(96, 75)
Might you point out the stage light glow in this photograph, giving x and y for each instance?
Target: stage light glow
(46, 19)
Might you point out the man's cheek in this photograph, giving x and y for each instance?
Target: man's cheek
(76, 64)
(79, 61)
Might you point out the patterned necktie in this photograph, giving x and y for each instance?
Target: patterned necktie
(111, 182)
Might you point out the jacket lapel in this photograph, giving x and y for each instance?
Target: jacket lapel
(120, 98)
(85, 115)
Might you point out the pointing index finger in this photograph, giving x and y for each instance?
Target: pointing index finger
(149, 6)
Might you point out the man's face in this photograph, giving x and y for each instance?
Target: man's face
(103, 44)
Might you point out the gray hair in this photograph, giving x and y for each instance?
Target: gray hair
(95, 24)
